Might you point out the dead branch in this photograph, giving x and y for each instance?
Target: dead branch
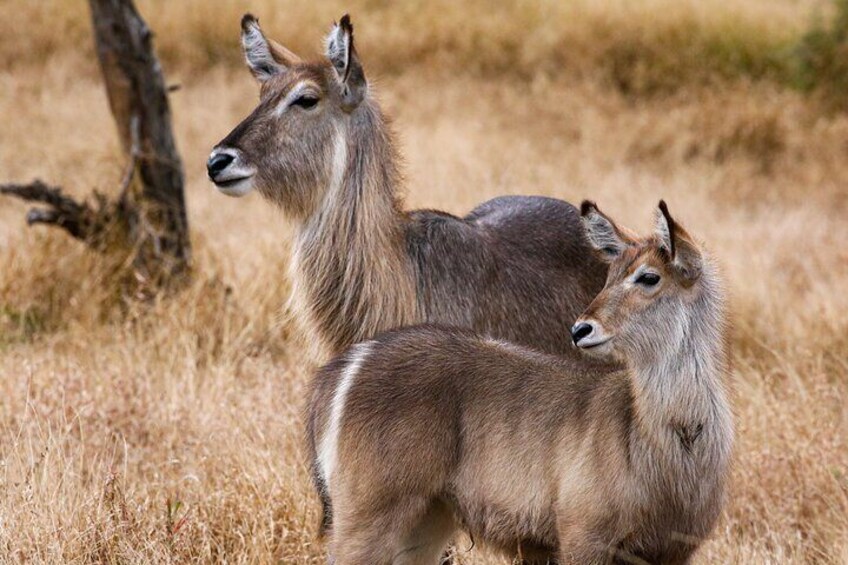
(81, 220)
(62, 211)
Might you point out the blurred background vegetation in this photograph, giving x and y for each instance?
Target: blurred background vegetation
(642, 48)
(170, 432)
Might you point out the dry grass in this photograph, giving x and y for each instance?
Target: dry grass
(646, 46)
(172, 432)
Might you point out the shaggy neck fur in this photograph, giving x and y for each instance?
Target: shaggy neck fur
(678, 380)
(352, 277)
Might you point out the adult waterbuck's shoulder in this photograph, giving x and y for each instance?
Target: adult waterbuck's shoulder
(619, 455)
(319, 146)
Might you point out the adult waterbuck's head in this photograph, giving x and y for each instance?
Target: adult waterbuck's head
(652, 289)
(319, 146)
(292, 146)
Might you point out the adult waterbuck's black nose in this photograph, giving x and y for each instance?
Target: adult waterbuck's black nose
(579, 331)
(218, 161)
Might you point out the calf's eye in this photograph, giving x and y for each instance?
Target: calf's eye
(648, 279)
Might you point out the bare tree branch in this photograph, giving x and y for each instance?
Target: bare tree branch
(62, 211)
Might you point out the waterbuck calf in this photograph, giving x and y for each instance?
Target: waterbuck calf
(319, 147)
(427, 430)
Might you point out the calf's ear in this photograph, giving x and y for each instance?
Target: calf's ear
(606, 238)
(684, 255)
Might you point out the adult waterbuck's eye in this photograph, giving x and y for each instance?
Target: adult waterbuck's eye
(307, 101)
(648, 279)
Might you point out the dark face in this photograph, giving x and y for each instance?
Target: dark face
(291, 146)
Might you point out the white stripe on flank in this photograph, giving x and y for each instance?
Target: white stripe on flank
(328, 449)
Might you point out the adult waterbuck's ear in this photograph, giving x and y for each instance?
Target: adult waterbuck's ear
(683, 253)
(607, 238)
(265, 58)
(342, 54)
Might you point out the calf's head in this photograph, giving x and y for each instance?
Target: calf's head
(651, 283)
(292, 144)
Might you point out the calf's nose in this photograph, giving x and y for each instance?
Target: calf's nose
(579, 331)
(217, 162)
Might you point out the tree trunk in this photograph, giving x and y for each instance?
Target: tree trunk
(139, 102)
(149, 214)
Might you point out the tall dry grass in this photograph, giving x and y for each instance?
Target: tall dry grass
(171, 432)
(639, 46)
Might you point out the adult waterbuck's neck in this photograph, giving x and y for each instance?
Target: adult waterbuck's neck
(662, 314)
(319, 147)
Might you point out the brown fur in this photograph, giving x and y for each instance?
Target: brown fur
(362, 264)
(441, 429)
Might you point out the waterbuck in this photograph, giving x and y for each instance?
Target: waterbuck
(426, 430)
(319, 146)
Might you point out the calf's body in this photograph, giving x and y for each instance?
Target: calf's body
(424, 431)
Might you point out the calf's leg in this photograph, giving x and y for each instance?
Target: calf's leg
(409, 531)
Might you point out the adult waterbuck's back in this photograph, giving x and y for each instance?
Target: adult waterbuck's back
(319, 147)
(427, 430)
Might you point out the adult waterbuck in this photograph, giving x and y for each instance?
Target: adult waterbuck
(319, 146)
(427, 430)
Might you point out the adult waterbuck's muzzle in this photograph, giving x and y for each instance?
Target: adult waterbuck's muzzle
(227, 169)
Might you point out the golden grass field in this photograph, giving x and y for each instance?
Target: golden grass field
(171, 432)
